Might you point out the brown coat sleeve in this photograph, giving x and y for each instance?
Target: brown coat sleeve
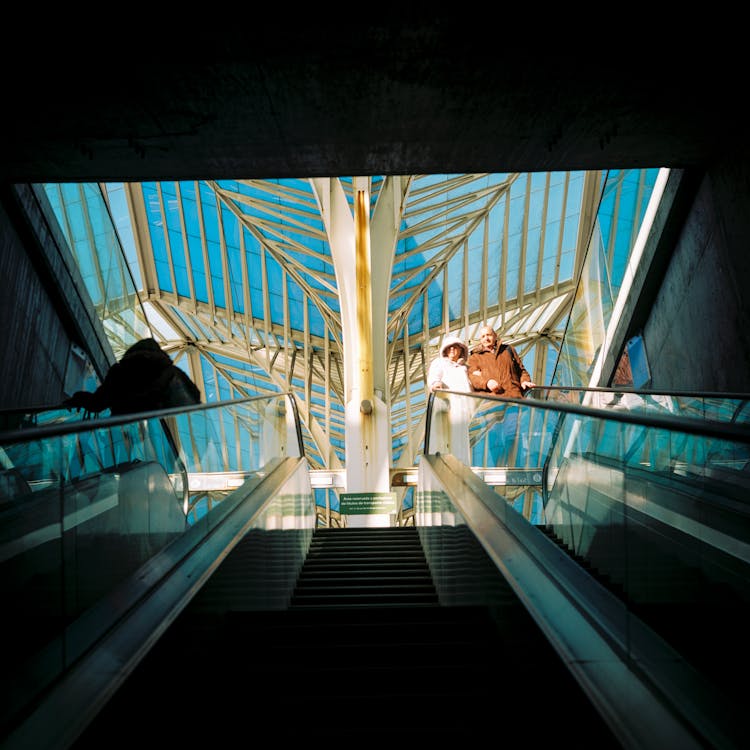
(477, 375)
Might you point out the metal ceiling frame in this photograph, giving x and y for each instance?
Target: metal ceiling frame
(438, 221)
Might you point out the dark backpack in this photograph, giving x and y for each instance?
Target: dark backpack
(179, 389)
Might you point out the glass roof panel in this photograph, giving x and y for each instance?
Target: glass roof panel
(241, 272)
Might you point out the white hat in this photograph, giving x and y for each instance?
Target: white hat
(454, 341)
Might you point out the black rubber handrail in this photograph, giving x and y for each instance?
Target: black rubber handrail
(704, 427)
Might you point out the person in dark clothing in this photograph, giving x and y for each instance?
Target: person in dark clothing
(145, 379)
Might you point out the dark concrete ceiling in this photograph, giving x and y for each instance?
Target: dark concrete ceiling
(315, 99)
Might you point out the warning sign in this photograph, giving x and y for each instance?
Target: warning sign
(358, 503)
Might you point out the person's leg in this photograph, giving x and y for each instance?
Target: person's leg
(501, 436)
(513, 450)
(496, 448)
(460, 428)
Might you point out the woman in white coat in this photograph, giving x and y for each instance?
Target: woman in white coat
(451, 412)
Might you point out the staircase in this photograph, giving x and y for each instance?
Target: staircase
(365, 653)
(361, 567)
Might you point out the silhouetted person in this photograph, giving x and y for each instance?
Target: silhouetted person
(145, 379)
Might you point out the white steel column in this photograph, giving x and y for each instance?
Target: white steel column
(368, 432)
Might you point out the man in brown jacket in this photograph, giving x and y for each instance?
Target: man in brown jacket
(496, 368)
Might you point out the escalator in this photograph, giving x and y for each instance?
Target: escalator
(110, 527)
(365, 652)
(638, 532)
(673, 549)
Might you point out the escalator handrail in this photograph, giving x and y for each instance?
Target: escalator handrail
(729, 396)
(69, 428)
(721, 430)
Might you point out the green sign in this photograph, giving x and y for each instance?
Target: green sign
(358, 503)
